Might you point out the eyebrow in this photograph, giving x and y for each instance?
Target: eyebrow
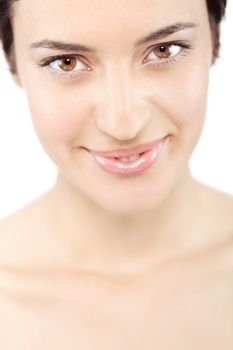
(157, 35)
(59, 45)
(166, 31)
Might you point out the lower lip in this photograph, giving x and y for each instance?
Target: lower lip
(144, 162)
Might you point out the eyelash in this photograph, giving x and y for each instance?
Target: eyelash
(185, 48)
(160, 62)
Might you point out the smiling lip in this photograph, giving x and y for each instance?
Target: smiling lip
(146, 156)
(120, 153)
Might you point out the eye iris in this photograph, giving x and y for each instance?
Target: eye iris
(163, 51)
(67, 64)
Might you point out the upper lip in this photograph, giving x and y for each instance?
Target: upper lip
(120, 153)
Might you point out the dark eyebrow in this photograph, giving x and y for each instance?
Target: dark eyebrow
(59, 45)
(164, 32)
(68, 47)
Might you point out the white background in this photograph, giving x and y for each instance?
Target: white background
(26, 171)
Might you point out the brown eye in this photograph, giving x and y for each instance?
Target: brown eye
(67, 63)
(163, 51)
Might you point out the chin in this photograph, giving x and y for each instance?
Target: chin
(128, 204)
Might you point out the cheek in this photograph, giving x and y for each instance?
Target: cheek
(185, 101)
(58, 115)
(192, 107)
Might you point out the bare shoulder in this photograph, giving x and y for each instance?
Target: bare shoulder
(218, 204)
(217, 218)
(221, 209)
(13, 232)
(29, 217)
(23, 230)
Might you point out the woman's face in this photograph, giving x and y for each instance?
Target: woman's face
(120, 87)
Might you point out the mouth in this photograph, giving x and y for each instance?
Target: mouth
(132, 152)
(131, 161)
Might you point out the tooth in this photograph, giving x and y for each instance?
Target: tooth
(128, 159)
(133, 157)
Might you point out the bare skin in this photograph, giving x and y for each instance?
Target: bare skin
(102, 261)
(180, 301)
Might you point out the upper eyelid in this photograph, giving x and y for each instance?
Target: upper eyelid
(48, 60)
(81, 57)
(181, 43)
(185, 45)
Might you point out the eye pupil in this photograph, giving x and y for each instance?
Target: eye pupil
(162, 49)
(67, 63)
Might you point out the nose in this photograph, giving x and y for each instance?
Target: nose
(122, 110)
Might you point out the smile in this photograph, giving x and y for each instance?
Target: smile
(129, 162)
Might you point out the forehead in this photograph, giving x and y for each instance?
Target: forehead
(102, 18)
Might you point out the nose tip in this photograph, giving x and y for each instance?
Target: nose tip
(124, 128)
(121, 110)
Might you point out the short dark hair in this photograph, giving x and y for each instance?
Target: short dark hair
(216, 10)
